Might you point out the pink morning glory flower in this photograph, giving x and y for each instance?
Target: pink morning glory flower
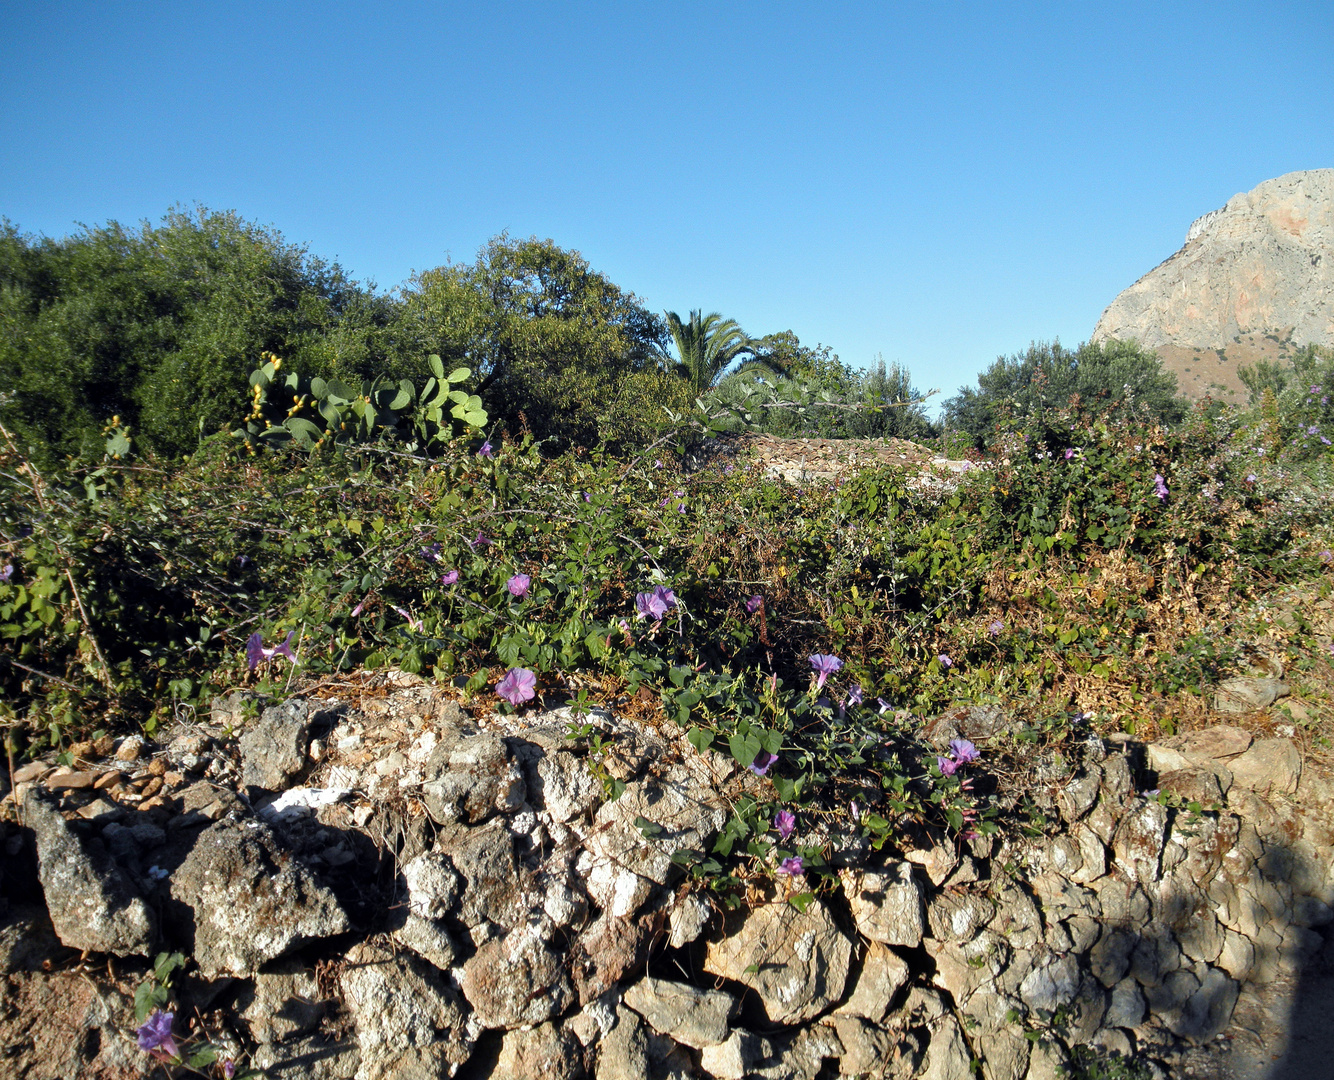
(825, 666)
(255, 650)
(413, 622)
(155, 1034)
(964, 751)
(655, 604)
(995, 628)
(6, 573)
(1070, 453)
(518, 685)
(1159, 486)
(856, 695)
(754, 604)
(947, 766)
(518, 585)
(762, 761)
(450, 578)
(944, 660)
(228, 1069)
(486, 451)
(791, 867)
(785, 821)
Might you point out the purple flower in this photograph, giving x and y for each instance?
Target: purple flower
(1327, 556)
(947, 766)
(587, 497)
(1250, 478)
(1159, 487)
(432, 553)
(1313, 430)
(449, 578)
(825, 665)
(1315, 389)
(481, 540)
(518, 685)
(964, 751)
(228, 1069)
(1069, 454)
(155, 1034)
(518, 585)
(995, 628)
(752, 605)
(486, 450)
(791, 867)
(763, 759)
(6, 573)
(855, 812)
(656, 604)
(785, 821)
(413, 623)
(885, 706)
(944, 660)
(856, 695)
(358, 609)
(255, 650)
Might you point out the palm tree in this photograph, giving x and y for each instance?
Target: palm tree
(707, 345)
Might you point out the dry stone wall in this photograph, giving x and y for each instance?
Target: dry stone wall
(398, 890)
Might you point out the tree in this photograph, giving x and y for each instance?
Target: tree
(707, 346)
(549, 338)
(160, 326)
(1028, 389)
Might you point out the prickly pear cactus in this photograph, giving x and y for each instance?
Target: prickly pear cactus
(309, 413)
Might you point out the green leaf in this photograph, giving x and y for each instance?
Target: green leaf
(651, 830)
(437, 368)
(459, 374)
(700, 739)
(801, 901)
(200, 1058)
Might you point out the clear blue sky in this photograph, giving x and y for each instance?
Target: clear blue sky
(938, 183)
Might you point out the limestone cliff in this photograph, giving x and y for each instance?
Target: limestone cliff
(1252, 281)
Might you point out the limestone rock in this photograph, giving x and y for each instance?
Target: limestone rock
(470, 778)
(273, 902)
(496, 888)
(1259, 265)
(688, 919)
(1139, 839)
(283, 1004)
(274, 749)
(1219, 743)
(623, 1051)
(947, 1055)
(693, 1017)
(515, 981)
(409, 1022)
(623, 861)
(546, 1052)
(1269, 767)
(92, 904)
(883, 973)
(887, 904)
(802, 958)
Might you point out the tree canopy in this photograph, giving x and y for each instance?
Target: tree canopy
(1026, 389)
(549, 338)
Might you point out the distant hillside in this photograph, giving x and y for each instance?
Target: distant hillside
(1253, 281)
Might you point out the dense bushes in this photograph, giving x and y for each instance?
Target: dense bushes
(1035, 390)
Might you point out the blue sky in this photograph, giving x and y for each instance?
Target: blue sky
(936, 183)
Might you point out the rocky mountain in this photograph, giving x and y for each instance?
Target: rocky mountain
(1253, 281)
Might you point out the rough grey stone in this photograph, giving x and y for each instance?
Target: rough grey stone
(886, 904)
(515, 981)
(1269, 767)
(496, 888)
(883, 973)
(1078, 795)
(693, 1017)
(958, 916)
(688, 919)
(93, 906)
(622, 865)
(409, 1022)
(470, 778)
(564, 787)
(433, 886)
(281, 1004)
(272, 902)
(429, 940)
(546, 1052)
(947, 1055)
(803, 959)
(623, 1050)
(274, 749)
(1138, 842)
(1052, 984)
(1126, 1008)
